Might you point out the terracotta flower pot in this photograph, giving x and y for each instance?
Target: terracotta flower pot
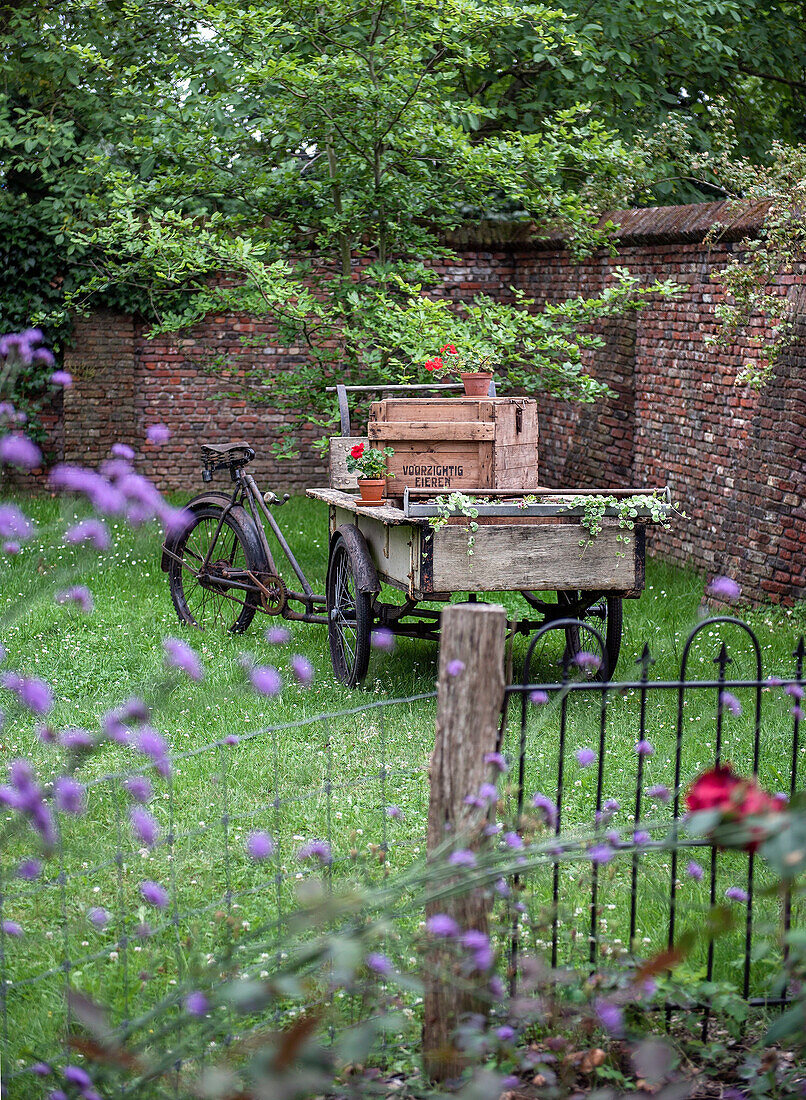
(476, 383)
(372, 489)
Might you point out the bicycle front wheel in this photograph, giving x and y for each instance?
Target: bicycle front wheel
(211, 559)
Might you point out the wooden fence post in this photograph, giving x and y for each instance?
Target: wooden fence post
(470, 696)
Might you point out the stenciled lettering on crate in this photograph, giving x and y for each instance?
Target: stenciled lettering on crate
(457, 443)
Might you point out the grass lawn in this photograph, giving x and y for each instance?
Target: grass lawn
(314, 778)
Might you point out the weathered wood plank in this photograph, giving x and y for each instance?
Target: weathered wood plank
(340, 447)
(444, 431)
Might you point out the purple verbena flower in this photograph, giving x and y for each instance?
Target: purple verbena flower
(660, 792)
(196, 1004)
(644, 748)
(79, 595)
(588, 662)
(505, 1033)
(139, 788)
(641, 838)
(383, 638)
(277, 635)
(694, 870)
(585, 757)
(14, 523)
(440, 924)
(11, 548)
(144, 827)
(302, 669)
(795, 690)
(154, 894)
(611, 806)
(232, 739)
(29, 869)
(797, 713)
(730, 702)
(75, 739)
(316, 849)
(265, 680)
(378, 963)
(501, 887)
(538, 697)
(723, 588)
(394, 812)
(512, 840)
(12, 928)
(180, 655)
(90, 530)
(600, 853)
(41, 1069)
(610, 1016)
(152, 744)
(497, 760)
(98, 916)
(488, 792)
(462, 857)
(478, 943)
(735, 893)
(455, 667)
(35, 695)
(19, 450)
(69, 795)
(259, 846)
(77, 1076)
(549, 809)
(62, 378)
(122, 450)
(158, 434)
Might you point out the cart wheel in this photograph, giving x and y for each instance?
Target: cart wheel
(204, 599)
(349, 615)
(606, 616)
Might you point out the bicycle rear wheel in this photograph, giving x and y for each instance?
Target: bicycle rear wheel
(206, 596)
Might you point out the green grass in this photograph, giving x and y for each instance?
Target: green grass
(323, 778)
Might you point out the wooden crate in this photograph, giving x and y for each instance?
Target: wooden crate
(457, 442)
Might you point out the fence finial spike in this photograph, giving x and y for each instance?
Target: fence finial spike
(646, 660)
(722, 659)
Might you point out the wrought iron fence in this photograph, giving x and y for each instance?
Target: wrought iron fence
(620, 756)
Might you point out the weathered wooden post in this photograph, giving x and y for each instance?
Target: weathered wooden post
(469, 700)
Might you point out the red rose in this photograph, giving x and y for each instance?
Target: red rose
(357, 450)
(714, 790)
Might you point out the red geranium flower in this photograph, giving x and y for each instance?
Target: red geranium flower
(357, 450)
(714, 790)
(450, 349)
(434, 364)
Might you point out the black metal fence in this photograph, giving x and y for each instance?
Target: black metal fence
(618, 757)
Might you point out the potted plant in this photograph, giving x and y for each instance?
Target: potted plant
(473, 367)
(369, 465)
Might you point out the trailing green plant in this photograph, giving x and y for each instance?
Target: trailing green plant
(456, 504)
(627, 510)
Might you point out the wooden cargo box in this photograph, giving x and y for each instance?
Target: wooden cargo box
(457, 442)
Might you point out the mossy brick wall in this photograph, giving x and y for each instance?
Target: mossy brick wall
(734, 459)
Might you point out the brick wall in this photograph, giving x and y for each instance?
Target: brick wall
(734, 459)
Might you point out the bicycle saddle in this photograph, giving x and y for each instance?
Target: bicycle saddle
(224, 450)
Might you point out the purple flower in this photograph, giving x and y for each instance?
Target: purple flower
(12, 928)
(57, 1094)
(455, 666)
(496, 987)
(259, 845)
(139, 788)
(90, 530)
(70, 796)
(29, 869)
(479, 945)
(440, 924)
(659, 791)
(774, 681)
(501, 888)
(14, 523)
(232, 739)
(144, 827)
(98, 916)
(35, 694)
(277, 635)
(497, 760)
(797, 713)
(488, 792)
(723, 588)
(62, 378)
(512, 840)
(180, 655)
(75, 739)
(693, 870)
(735, 893)
(379, 963)
(78, 1077)
(462, 857)
(640, 838)
(196, 1004)
(549, 808)
(19, 450)
(265, 680)
(611, 806)
(11, 548)
(302, 669)
(41, 1069)
(611, 1017)
(158, 434)
(122, 450)
(383, 638)
(585, 757)
(492, 829)
(150, 743)
(730, 702)
(538, 697)
(154, 894)
(795, 690)
(316, 849)
(394, 812)
(588, 662)
(510, 1081)
(644, 748)
(505, 1033)
(80, 595)
(600, 853)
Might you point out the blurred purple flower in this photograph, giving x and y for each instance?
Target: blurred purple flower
(144, 827)
(57, 1094)
(505, 1033)
(641, 837)
(488, 792)
(152, 744)
(41, 1069)
(538, 697)
(69, 796)
(75, 739)
(378, 963)
(394, 812)
(600, 853)
(12, 928)
(735, 893)
(549, 808)
(723, 588)
(98, 916)
(611, 1017)
(440, 924)
(196, 1004)
(277, 635)
(80, 595)
(11, 548)
(730, 702)
(19, 450)
(478, 943)
(77, 1076)
(62, 378)
(497, 760)
(14, 523)
(90, 530)
(693, 870)
(383, 638)
(158, 434)
(232, 739)
(462, 857)
(29, 869)
(265, 680)
(302, 669)
(644, 748)
(611, 806)
(455, 666)
(797, 713)
(122, 450)
(139, 788)
(493, 829)
(496, 987)
(510, 1081)
(35, 695)
(512, 840)
(795, 690)
(259, 846)
(501, 888)
(180, 655)
(585, 757)
(588, 662)
(133, 710)
(659, 791)
(316, 849)
(154, 894)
